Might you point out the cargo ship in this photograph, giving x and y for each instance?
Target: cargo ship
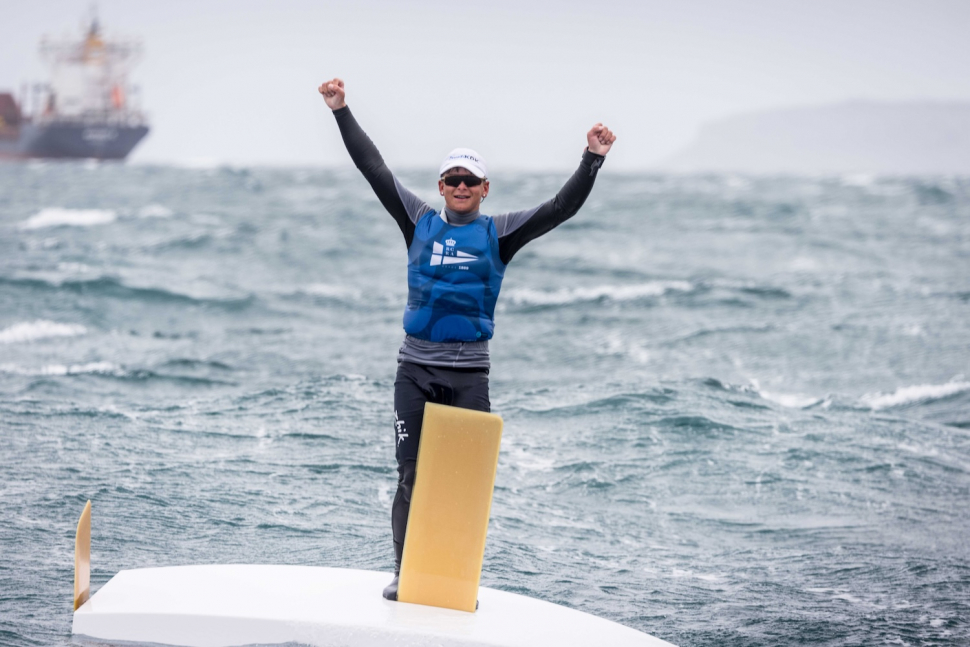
(87, 110)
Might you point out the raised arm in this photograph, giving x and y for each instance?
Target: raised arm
(404, 206)
(519, 227)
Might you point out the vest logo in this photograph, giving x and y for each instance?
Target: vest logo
(441, 255)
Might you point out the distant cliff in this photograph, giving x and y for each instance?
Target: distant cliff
(859, 136)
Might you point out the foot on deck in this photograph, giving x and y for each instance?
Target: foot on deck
(390, 591)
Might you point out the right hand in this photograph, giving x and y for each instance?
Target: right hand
(333, 93)
(600, 139)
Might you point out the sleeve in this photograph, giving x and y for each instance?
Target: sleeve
(517, 228)
(404, 206)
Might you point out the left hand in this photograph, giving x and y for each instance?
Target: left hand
(600, 139)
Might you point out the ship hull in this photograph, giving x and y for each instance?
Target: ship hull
(72, 140)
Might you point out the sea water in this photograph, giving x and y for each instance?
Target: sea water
(737, 409)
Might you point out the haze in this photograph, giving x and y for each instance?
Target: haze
(235, 81)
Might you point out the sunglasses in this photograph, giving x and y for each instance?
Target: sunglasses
(456, 180)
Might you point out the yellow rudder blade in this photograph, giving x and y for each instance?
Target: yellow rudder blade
(450, 505)
(82, 558)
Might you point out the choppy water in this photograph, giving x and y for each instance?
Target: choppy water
(737, 410)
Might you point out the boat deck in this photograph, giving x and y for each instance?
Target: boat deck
(222, 605)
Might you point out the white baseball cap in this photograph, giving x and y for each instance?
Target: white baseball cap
(465, 158)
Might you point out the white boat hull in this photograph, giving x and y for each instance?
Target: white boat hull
(230, 605)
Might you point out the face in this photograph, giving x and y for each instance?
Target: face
(462, 199)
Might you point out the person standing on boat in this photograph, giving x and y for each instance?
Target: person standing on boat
(456, 261)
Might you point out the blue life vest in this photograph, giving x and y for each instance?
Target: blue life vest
(454, 277)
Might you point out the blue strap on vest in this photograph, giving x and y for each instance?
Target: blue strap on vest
(454, 277)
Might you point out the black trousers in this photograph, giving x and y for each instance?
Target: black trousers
(415, 385)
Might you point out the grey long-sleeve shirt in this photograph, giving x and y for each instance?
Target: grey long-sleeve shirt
(514, 229)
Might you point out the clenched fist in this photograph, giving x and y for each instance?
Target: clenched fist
(600, 139)
(333, 93)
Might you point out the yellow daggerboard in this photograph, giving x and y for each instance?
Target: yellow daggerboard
(450, 504)
(82, 558)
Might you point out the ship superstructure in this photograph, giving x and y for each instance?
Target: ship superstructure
(88, 110)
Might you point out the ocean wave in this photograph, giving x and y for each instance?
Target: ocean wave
(766, 292)
(40, 329)
(187, 362)
(615, 343)
(696, 425)
(155, 210)
(104, 368)
(706, 332)
(112, 287)
(913, 395)
(57, 217)
(787, 400)
(74, 268)
(189, 241)
(144, 375)
(568, 296)
(107, 369)
(329, 291)
(791, 400)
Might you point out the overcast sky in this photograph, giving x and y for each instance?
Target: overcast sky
(234, 81)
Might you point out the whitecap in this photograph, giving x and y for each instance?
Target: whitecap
(531, 461)
(790, 400)
(913, 394)
(74, 268)
(705, 577)
(32, 244)
(154, 211)
(56, 217)
(62, 369)
(384, 495)
(77, 369)
(787, 400)
(40, 329)
(565, 296)
(330, 291)
(616, 343)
